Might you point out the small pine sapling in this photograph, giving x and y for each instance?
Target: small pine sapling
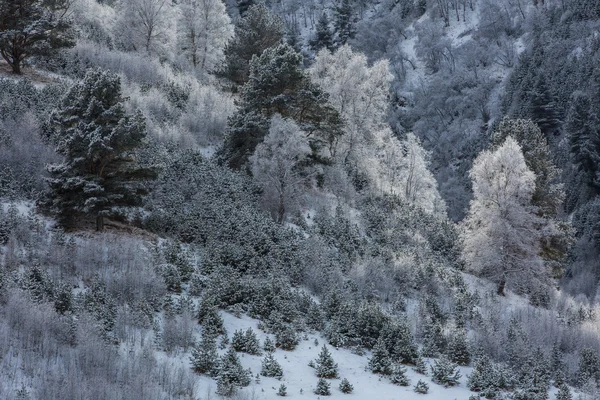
(380, 362)
(421, 387)
(445, 373)
(420, 366)
(282, 390)
(564, 393)
(269, 345)
(270, 367)
(346, 387)
(323, 388)
(398, 376)
(326, 367)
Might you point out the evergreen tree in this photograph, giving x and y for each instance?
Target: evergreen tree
(582, 127)
(564, 393)
(258, 30)
(445, 373)
(543, 108)
(434, 341)
(484, 378)
(589, 366)
(282, 390)
(344, 22)
(346, 387)
(231, 374)
(420, 365)
(323, 388)
(326, 367)
(98, 140)
(398, 376)
(268, 345)
(270, 367)
(323, 35)
(458, 348)
(209, 317)
(557, 366)
(421, 387)
(30, 28)
(204, 357)
(380, 362)
(278, 85)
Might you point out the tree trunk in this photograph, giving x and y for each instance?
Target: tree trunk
(281, 210)
(16, 67)
(501, 286)
(99, 222)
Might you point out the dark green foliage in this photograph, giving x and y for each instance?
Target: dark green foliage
(38, 284)
(198, 201)
(30, 28)
(400, 341)
(444, 372)
(282, 391)
(246, 342)
(589, 366)
(380, 362)
(231, 374)
(102, 308)
(557, 366)
(434, 341)
(268, 345)
(420, 365)
(564, 393)
(270, 367)
(286, 337)
(344, 22)
(421, 387)
(488, 378)
(582, 126)
(98, 140)
(258, 30)
(326, 367)
(458, 348)
(323, 388)
(204, 357)
(323, 36)
(346, 387)
(278, 85)
(398, 376)
(209, 317)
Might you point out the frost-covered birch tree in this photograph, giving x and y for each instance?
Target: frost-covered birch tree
(501, 231)
(204, 29)
(277, 164)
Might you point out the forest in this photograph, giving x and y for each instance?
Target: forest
(245, 199)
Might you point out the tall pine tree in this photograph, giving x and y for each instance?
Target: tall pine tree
(98, 140)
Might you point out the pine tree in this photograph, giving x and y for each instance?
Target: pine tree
(204, 357)
(326, 367)
(445, 373)
(582, 126)
(252, 345)
(589, 366)
(398, 376)
(268, 345)
(323, 35)
(238, 341)
(258, 30)
(209, 317)
(323, 388)
(421, 387)
(564, 393)
(483, 378)
(557, 365)
(380, 362)
(270, 367)
(434, 341)
(30, 28)
(420, 365)
(98, 140)
(278, 85)
(345, 386)
(458, 348)
(231, 374)
(343, 22)
(282, 390)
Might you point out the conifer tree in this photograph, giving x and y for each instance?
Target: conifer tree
(345, 386)
(231, 374)
(98, 140)
(458, 348)
(398, 376)
(282, 390)
(326, 367)
(204, 357)
(589, 366)
(420, 366)
(344, 22)
(421, 387)
(268, 345)
(323, 35)
(258, 30)
(564, 393)
(444, 372)
(270, 367)
(380, 362)
(323, 388)
(30, 28)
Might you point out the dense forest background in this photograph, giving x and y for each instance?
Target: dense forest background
(414, 182)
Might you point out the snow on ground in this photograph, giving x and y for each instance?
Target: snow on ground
(301, 380)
